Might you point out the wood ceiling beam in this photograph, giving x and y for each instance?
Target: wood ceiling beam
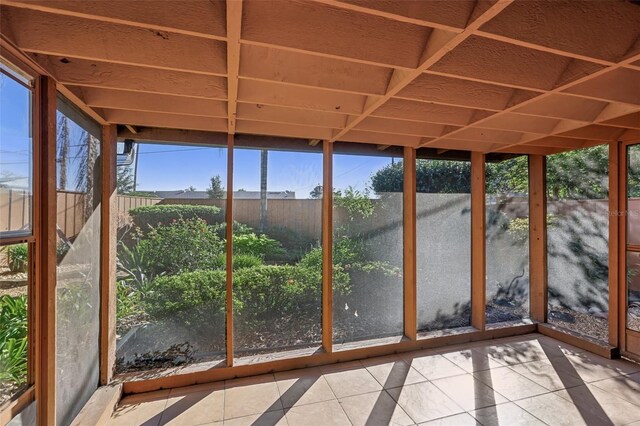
(67, 36)
(150, 102)
(380, 138)
(79, 72)
(296, 26)
(432, 13)
(440, 42)
(8, 49)
(277, 94)
(162, 120)
(234, 28)
(200, 18)
(285, 66)
(276, 114)
(282, 129)
(554, 91)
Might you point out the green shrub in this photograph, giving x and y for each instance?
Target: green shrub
(238, 229)
(241, 261)
(270, 291)
(128, 300)
(256, 245)
(153, 216)
(182, 245)
(13, 339)
(17, 257)
(193, 296)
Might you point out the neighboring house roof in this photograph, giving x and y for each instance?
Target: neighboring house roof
(240, 195)
(271, 195)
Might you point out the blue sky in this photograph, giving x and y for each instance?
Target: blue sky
(294, 171)
(15, 133)
(169, 167)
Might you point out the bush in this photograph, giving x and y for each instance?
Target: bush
(17, 257)
(238, 229)
(194, 296)
(241, 261)
(183, 245)
(271, 291)
(13, 339)
(153, 216)
(256, 245)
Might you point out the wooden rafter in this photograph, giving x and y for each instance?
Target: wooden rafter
(234, 27)
(440, 42)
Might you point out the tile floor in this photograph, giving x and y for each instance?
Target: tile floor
(532, 380)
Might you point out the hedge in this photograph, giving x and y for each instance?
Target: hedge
(150, 216)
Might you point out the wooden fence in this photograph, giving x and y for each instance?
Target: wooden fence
(15, 207)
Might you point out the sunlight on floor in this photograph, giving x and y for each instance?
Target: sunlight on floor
(529, 380)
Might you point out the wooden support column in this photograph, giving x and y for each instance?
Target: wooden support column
(621, 247)
(478, 249)
(108, 229)
(614, 229)
(538, 238)
(45, 178)
(327, 247)
(410, 304)
(229, 236)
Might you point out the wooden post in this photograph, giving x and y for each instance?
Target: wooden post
(538, 238)
(409, 198)
(327, 247)
(229, 235)
(622, 247)
(478, 249)
(108, 229)
(614, 229)
(45, 143)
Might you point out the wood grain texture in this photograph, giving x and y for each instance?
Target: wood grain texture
(478, 244)
(537, 238)
(295, 25)
(79, 72)
(202, 18)
(45, 378)
(409, 241)
(108, 243)
(327, 246)
(229, 248)
(67, 36)
(614, 243)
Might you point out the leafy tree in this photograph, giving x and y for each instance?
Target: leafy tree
(216, 190)
(124, 181)
(579, 174)
(316, 192)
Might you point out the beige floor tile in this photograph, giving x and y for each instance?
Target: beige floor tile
(505, 414)
(392, 371)
(591, 367)
(603, 404)
(195, 405)
(424, 402)
(503, 354)
(252, 395)
(464, 419)
(472, 361)
(327, 413)
(555, 410)
(376, 408)
(509, 384)
(270, 418)
(140, 409)
(547, 376)
(304, 389)
(434, 366)
(468, 392)
(626, 387)
(354, 381)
